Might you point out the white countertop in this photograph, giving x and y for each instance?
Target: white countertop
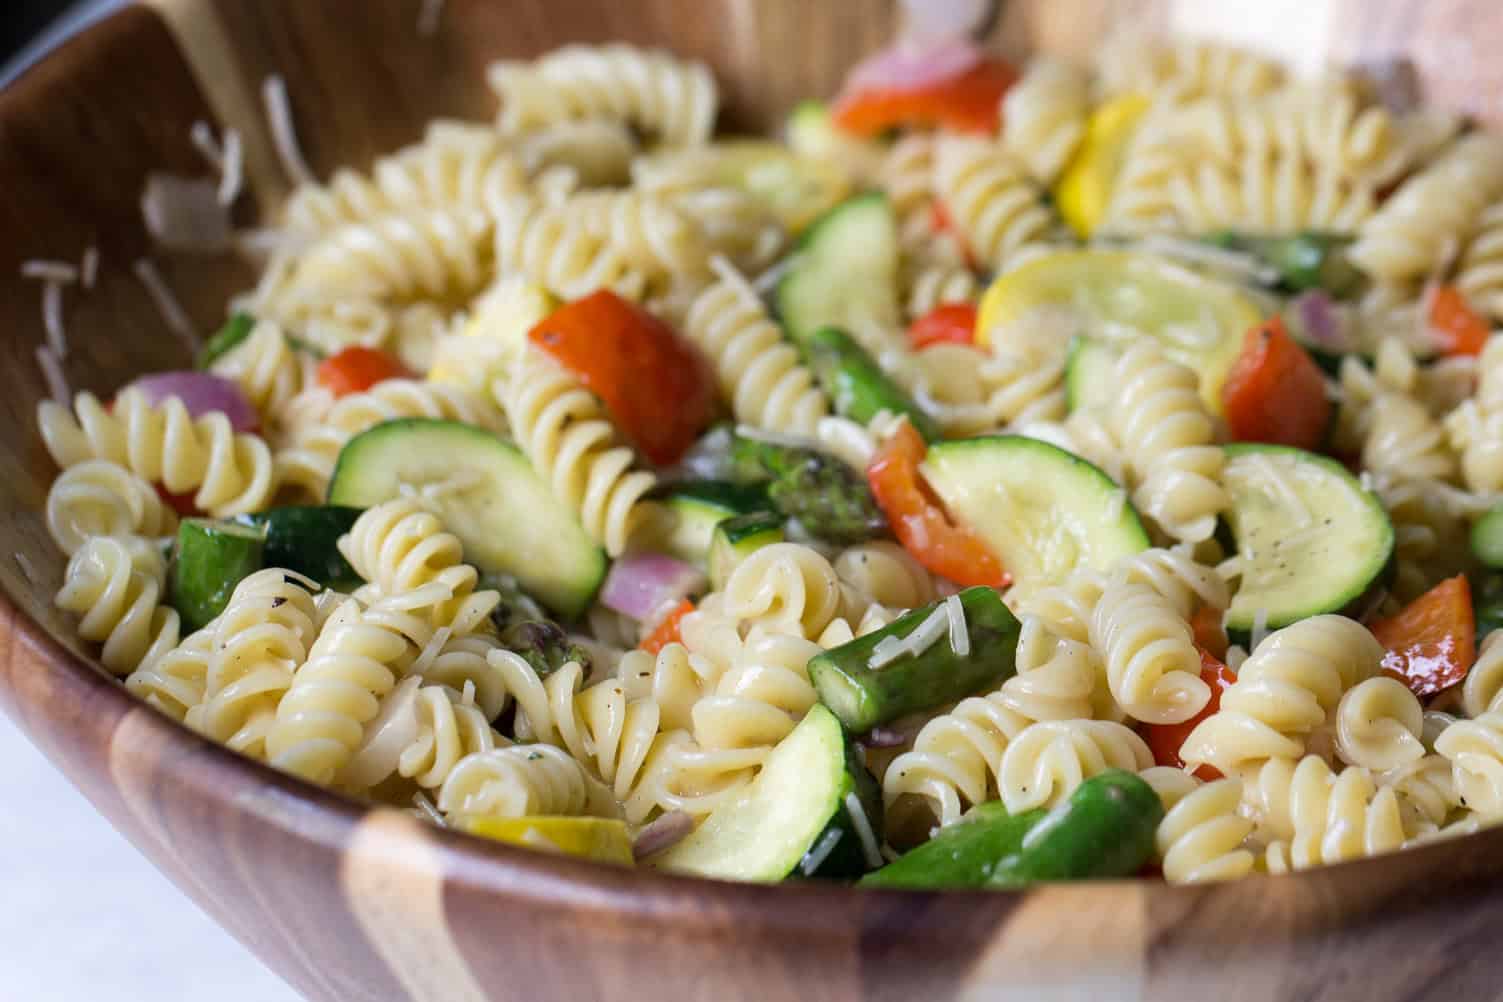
(85, 918)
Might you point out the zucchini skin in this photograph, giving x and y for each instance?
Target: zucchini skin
(211, 559)
(857, 386)
(1104, 829)
(847, 860)
(961, 855)
(302, 538)
(864, 698)
(225, 340)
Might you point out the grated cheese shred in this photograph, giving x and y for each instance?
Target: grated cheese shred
(960, 637)
(283, 131)
(166, 303)
(863, 826)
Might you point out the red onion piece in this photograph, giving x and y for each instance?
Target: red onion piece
(640, 584)
(201, 393)
(661, 833)
(944, 18)
(913, 65)
(1320, 319)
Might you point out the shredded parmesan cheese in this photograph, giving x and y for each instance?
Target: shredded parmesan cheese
(427, 810)
(1194, 252)
(59, 272)
(864, 831)
(431, 593)
(960, 637)
(816, 856)
(90, 266)
(924, 636)
(52, 372)
(52, 319)
(429, 16)
(431, 651)
(27, 571)
(1259, 628)
(232, 174)
(166, 303)
(283, 131)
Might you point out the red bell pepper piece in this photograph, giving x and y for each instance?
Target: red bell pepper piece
(1275, 392)
(1432, 641)
(968, 102)
(920, 522)
(1165, 740)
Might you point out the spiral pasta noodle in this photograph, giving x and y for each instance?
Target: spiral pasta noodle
(1475, 750)
(263, 634)
(1484, 683)
(320, 720)
(1277, 196)
(114, 584)
(1046, 761)
(1475, 428)
(1169, 442)
(785, 587)
(518, 781)
(1152, 665)
(1044, 116)
(990, 198)
(1335, 816)
(1378, 724)
(174, 681)
(421, 732)
(761, 374)
(1284, 690)
(400, 547)
(956, 756)
(1479, 273)
(1184, 69)
(566, 435)
(99, 498)
(1427, 793)
(1407, 237)
(268, 369)
(1201, 837)
(670, 98)
(885, 573)
(307, 461)
(456, 165)
(760, 698)
(228, 473)
(1405, 442)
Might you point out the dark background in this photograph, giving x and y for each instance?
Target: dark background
(23, 20)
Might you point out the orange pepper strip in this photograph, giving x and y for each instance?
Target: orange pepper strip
(666, 632)
(947, 323)
(921, 524)
(1275, 392)
(968, 102)
(654, 383)
(1456, 327)
(1432, 641)
(356, 369)
(1165, 740)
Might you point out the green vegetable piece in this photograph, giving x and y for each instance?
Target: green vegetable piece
(864, 697)
(739, 537)
(1304, 261)
(1487, 538)
(544, 645)
(1487, 604)
(961, 855)
(516, 605)
(226, 339)
(828, 498)
(303, 538)
(838, 853)
(857, 385)
(1104, 829)
(212, 558)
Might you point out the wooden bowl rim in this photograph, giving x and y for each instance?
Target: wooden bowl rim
(806, 909)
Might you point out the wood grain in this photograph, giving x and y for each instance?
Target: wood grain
(352, 904)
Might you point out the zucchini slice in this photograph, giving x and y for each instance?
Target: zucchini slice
(1043, 511)
(302, 538)
(1089, 374)
(766, 831)
(503, 513)
(844, 272)
(1311, 539)
(211, 559)
(692, 510)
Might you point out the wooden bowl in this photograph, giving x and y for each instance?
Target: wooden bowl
(349, 903)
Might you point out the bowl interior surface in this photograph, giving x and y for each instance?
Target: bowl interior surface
(349, 903)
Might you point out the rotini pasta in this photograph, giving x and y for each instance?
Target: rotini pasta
(991, 199)
(1044, 116)
(1201, 837)
(227, 473)
(1378, 723)
(566, 435)
(1046, 761)
(99, 498)
(114, 585)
